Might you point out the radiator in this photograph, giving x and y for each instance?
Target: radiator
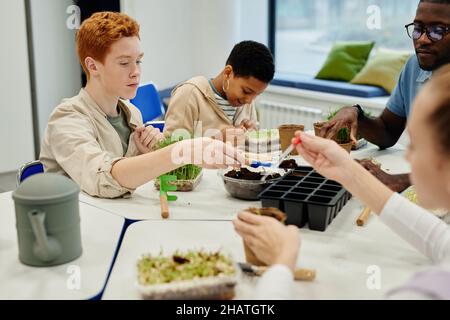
(272, 114)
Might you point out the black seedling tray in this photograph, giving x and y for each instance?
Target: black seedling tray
(306, 197)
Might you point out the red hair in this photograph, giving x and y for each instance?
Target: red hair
(100, 31)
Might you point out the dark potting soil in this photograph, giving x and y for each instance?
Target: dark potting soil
(245, 174)
(288, 164)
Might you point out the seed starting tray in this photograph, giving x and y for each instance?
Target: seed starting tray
(306, 197)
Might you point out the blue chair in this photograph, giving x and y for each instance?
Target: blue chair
(29, 169)
(148, 101)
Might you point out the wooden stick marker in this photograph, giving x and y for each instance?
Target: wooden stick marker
(363, 217)
(164, 206)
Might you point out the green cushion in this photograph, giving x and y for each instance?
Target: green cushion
(383, 69)
(345, 60)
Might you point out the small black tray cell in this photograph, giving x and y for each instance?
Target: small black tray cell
(272, 199)
(323, 193)
(279, 188)
(313, 180)
(295, 210)
(319, 216)
(291, 178)
(303, 190)
(286, 183)
(316, 175)
(308, 185)
(321, 200)
(328, 187)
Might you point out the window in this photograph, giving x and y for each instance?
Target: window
(303, 31)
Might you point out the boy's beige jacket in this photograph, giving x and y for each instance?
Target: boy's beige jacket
(80, 142)
(193, 104)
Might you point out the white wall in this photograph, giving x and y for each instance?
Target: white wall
(165, 34)
(16, 134)
(254, 20)
(57, 71)
(185, 38)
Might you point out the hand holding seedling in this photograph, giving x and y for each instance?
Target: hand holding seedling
(345, 117)
(248, 125)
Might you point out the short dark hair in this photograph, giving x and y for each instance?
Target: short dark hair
(252, 59)
(440, 118)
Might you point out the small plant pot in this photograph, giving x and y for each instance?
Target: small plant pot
(272, 212)
(184, 185)
(317, 127)
(250, 257)
(347, 146)
(287, 132)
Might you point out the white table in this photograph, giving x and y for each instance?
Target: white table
(341, 255)
(100, 234)
(208, 201)
(152, 236)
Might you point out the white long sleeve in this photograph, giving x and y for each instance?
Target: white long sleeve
(420, 228)
(275, 284)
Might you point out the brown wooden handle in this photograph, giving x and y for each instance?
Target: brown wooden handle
(363, 217)
(304, 274)
(299, 274)
(164, 206)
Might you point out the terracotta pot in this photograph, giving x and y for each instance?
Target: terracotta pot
(347, 146)
(275, 213)
(317, 127)
(251, 258)
(287, 132)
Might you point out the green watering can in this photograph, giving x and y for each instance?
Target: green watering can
(47, 220)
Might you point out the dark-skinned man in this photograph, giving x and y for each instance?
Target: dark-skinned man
(430, 33)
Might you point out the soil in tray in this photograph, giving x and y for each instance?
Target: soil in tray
(288, 164)
(245, 174)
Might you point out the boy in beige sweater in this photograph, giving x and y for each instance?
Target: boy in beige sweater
(97, 138)
(209, 107)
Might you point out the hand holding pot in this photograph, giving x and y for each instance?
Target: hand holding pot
(346, 117)
(270, 240)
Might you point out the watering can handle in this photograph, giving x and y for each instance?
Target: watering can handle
(46, 248)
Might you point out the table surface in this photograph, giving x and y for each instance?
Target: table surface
(100, 233)
(342, 256)
(210, 200)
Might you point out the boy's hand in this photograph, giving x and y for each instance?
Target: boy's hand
(146, 138)
(210, 153)
(248, 125)
(233, 135)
